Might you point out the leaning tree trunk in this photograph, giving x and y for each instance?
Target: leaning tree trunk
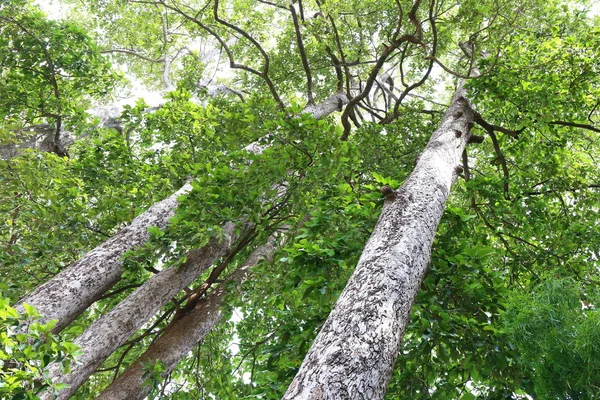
(111, 330)
(185, 333)
(354, 354)
(73, 290)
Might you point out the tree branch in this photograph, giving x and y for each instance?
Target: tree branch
(477, 118)
(302, 50)
(232, 63)
(502, 161)
(576, 125)
(265, 71)
(451, 72)
(134, 53)
(423, 79)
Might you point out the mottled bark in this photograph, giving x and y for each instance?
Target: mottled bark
(110, 331)
(70, 292)
(354, 354)
(185, 333)
(331, 104)
(41, 137)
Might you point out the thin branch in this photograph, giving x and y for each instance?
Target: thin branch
(167, 68)
(412, 17)
(199, 292)
(273, 4)
(400, 18)
(309, 84)
(561, 190)
(592, 112)
(53, 82)
(98, 231)
(232, 63)
(428, 100)
(576, 125)
(371, 111)
(502, 161)
(213, 90)
(492, 228)
(134, 53)
(387, 51)
(338, 44)
(425, 76)
(451, 72)
(266, 65)
(465, 162)
(253, 349)
(490, 127)
(301, 8)
(117, 291)
(338, 70)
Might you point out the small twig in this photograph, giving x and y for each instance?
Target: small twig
(451, 72)
(119, 290)
(98, 231)
(465, 162)
(134, 53)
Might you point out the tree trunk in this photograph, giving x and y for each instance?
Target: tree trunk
(111, 330)
(354, 354)
(73, 290)
(185, 333)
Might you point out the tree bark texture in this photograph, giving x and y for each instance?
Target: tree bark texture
(110, 331)
(354, 354)
(182, 335)
(73, 290)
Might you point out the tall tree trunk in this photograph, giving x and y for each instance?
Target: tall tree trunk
(73, 290)
(185, 333)
(354, 354)
(112, 329)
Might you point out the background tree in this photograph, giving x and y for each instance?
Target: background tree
(521, 215)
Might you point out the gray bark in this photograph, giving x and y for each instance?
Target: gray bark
(328, 106)
(70, 292)
(43, 137)
(110, 331)
(354, 354)
(40, 137)
(185, 333)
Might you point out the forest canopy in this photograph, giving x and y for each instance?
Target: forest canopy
(315, 199)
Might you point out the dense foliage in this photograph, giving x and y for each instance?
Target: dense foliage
(500, 312)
